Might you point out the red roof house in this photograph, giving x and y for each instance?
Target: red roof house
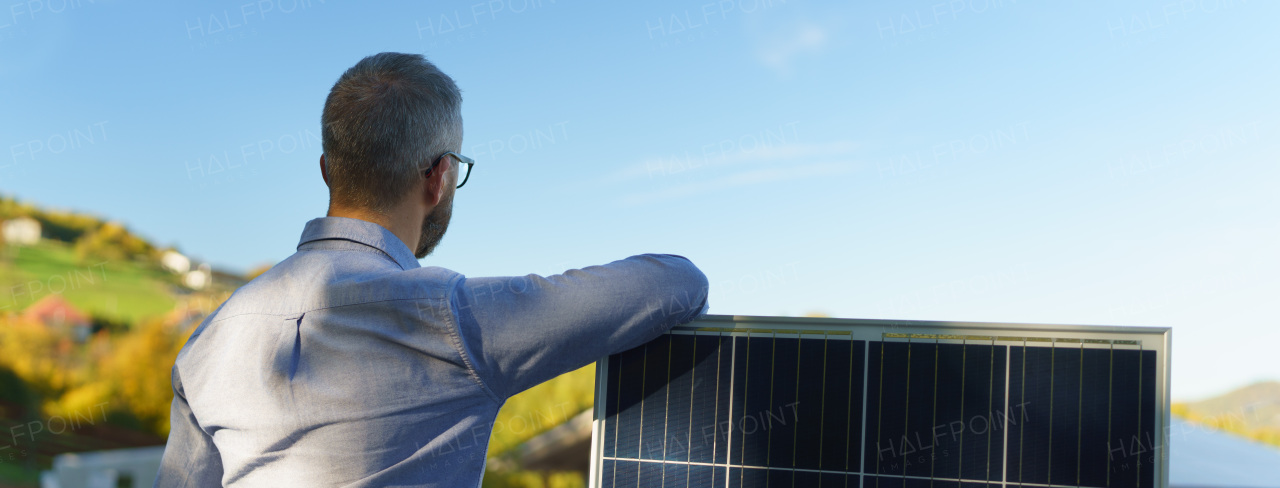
(55, 311)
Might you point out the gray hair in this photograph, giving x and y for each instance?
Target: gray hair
(385, 120)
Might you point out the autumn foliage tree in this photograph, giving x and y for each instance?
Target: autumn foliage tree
(129, 372)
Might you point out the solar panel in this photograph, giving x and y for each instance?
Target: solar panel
(741, 401)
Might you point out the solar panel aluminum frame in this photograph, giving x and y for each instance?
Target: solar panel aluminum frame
(1156, 339)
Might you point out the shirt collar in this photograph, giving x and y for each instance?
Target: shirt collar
(363, 232)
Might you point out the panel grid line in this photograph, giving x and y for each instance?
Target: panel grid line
(1079, 412)
(773, 371)
(1111, 376)
(795, 433)
(991, 401)
(693, 381)
(715, 416)
(1138, 471)
(1022, 402)
(822, 413)
(879, 414)
(666, 413)
(1004, 460)
(906, 415)
(640, 440)
(616, 427)
(862, 456)
(728, 448)
(964, 367)
(933, 462)
(1053, 370)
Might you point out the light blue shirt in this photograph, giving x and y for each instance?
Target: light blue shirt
(348, 364)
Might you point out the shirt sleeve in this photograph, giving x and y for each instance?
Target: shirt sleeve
(523, 330)
(190, 458)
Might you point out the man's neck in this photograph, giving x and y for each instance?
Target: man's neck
(402, 227)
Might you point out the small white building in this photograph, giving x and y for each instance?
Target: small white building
(136, 467)
(199, 278)
(175, 262)
(22, 231)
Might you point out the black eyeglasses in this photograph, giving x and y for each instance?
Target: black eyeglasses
(464, 166)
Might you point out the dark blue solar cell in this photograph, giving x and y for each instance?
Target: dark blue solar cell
(653, 426)
(703, 476)
(782, 478)
(886, 408)
(754, 478)
(949, 414)
(982, 442)
(650, 474)
(675, 475)
(606, 473)
(917, 448)
(703, 419)
(630, 396)
(841, 411)
(609, 435)
(838, 480)
(1064, 448)
(724, 397)
(1028, 417)
(917, 483)
(680, 398)
(738, 398)
(805, 479)
(759, 379)
(810, 421)
(1094, 404)
(779, 419)
(626, 474)
(891, 481)
(1149, 450)
(1124, 444)
(937, 483)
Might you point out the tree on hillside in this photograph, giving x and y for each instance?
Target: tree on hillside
(65, 226)
(111, 241)
(10, 208)
(139, 367)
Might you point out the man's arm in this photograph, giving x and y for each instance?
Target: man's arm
(524, 330)
(190, 458)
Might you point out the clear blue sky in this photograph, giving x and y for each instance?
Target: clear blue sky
(1026, 161)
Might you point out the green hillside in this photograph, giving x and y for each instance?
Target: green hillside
(121, 290)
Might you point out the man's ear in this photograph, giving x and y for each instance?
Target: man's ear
(324, 170)
(433, 184)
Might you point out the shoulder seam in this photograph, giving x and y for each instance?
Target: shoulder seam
(455, 333)
(309, 310)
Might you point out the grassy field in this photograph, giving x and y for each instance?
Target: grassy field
(12, 474)
(120, 290)
(542, 408)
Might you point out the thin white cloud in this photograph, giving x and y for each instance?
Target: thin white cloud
(782, 38)
(743, 178)
(778, 50)
(699, 159)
